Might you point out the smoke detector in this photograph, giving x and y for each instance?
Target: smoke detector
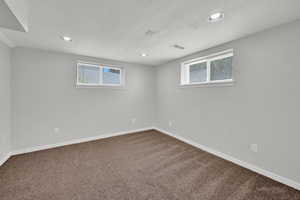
(150, 33)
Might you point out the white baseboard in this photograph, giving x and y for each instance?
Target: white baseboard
(76, 141)
(249, 166)
(5, 158)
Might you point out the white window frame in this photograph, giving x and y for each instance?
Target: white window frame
(100, 66)
(185, 69)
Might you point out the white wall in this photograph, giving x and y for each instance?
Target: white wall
(5, 101)
(262, 107)
(45, 97)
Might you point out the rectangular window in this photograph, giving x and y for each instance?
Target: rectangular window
(98, 75)
(111, 76)
(216, 68)
(198, 72)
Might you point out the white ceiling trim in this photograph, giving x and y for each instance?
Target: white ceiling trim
(6, 41)
(19, 9)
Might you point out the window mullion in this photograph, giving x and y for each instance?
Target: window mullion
(187, 76)
(208, 71)
(100, 75)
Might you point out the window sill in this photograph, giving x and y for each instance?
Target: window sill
(209, 84)
(116, 87)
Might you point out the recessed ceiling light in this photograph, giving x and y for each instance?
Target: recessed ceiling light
(216, 16)
(66, 38)
(144, 54)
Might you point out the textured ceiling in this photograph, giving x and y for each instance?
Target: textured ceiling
(123, 29)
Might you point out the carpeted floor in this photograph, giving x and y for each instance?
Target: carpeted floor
(140, 166)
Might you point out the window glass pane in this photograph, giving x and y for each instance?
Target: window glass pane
(198, 72)
(221, 69)
(111, 76)
(88, 74)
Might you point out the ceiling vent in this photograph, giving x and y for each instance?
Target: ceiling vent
(178, 47)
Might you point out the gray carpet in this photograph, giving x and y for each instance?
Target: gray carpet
(140, 166)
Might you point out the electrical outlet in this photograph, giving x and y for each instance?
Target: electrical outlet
(56, 130)
(133, 120)
(254, 148)
(170, 123)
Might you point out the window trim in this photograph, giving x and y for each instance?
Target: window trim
(185, 69)
(100, 66)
